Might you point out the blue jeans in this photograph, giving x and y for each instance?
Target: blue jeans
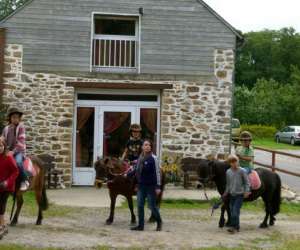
(19, 157)
(235, 204)
(149, 192)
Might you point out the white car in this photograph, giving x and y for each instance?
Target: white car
(290, 134)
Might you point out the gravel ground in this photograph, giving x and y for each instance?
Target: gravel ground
(84, 228)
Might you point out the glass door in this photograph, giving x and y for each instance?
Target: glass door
(83, 171)
(114, 129)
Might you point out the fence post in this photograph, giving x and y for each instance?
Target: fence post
(273, 161)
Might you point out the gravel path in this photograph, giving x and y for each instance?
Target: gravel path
(183, 229)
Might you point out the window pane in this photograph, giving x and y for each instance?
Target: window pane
(149, 125)
(105, 26)
(85, 137)
(116, 129)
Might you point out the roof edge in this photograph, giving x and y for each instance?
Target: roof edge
(227, 24)
(15, 11)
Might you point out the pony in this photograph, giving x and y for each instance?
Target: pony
(111, 170)
(37, 184)
(270, 190)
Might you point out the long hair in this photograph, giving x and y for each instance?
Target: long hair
(3, 142)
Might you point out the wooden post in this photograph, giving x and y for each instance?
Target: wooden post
(273, 161)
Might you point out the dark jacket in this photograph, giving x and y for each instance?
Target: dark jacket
(147, 171)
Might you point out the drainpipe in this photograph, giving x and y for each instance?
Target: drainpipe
(2, 46)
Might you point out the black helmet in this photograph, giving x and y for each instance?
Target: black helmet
(13, 110)
(245, 135)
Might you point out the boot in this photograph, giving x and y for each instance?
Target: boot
(137, 228)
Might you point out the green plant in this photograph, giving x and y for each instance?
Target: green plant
(260, 131)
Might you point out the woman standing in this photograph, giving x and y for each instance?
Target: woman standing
(149, 184)
(8, 174)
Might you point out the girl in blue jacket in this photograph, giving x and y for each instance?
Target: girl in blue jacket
(149, 184)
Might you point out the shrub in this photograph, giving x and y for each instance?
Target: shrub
(260, 131)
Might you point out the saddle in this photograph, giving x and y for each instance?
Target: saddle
(254, 180)
(28, 167)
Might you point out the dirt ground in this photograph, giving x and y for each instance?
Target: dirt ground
(84, 228)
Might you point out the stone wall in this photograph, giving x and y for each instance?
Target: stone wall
(196, 115)
(195, 118)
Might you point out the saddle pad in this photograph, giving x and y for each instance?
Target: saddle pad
(254, 180)
(28, 167)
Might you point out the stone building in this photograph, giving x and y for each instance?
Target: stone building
(83, 71)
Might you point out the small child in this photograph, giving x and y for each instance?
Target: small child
(134, 145)
(8, 174)
(245, 152)
(238, 188)
(14, 135)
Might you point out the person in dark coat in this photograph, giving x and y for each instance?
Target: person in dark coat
(147, 173)
(8, 175)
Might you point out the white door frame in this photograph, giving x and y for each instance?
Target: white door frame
(100, 128)
(102, 106)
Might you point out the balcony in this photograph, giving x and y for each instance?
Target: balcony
(115, 44)
(115, 53)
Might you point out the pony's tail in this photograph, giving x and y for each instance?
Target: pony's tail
(41, 194)
(44, 200)
(276, 201)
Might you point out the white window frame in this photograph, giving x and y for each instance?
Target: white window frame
(138, 31)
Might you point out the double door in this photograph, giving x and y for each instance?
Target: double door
(104, 131)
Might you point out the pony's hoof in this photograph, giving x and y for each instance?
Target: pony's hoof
(108, 222)
(151, 220)
(263, 225)
(38, 223)
(272, 223)
(13, 223)
(221, 224)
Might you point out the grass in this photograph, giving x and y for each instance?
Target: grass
(30, 207)
(286, 208)
(270, 143)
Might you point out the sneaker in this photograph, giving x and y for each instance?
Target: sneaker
(5, 229)
(24, 186)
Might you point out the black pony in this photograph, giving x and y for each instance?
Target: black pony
(270, 189)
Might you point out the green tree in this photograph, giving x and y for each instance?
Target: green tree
(268, 54)
(8, 6)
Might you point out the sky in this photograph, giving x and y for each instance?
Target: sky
(254, 15)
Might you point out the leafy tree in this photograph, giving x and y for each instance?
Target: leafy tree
(269, 102)
(8, 6)
(268, 54)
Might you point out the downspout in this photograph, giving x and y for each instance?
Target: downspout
(2, 47)
(238, 44)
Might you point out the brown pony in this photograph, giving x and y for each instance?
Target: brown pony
(111, 170)
(37, 184)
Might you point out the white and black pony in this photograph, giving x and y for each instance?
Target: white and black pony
(270, 189)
